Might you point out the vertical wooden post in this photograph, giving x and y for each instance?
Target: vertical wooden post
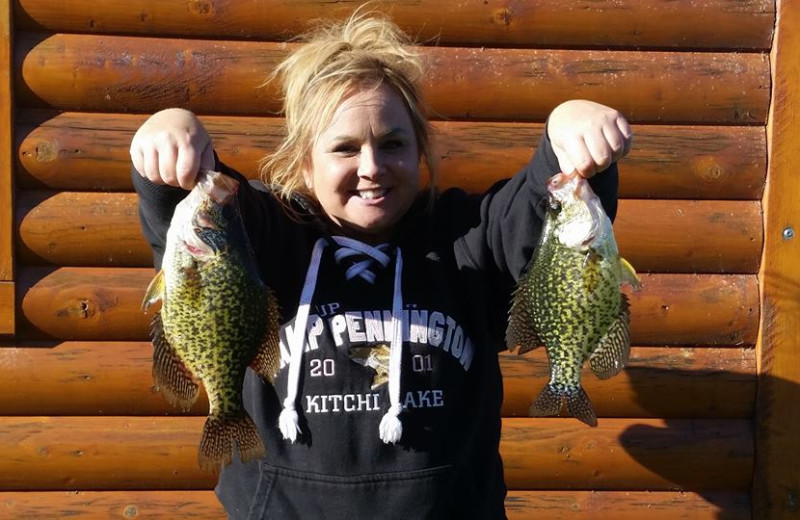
(6, 171)
(777, 478)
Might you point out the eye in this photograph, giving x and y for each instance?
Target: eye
(554, 204)
(345, 149)
(393, 144)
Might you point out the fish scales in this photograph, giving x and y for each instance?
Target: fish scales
(217, 318)
(570, 299)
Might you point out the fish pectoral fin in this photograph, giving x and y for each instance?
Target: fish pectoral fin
(614, 348)
(268, 358)
(170, 374)
(155, 291)
(629, 275)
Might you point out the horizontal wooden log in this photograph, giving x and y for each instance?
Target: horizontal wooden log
(103, 378)
(103, 304)
(51, 453)
(101, 505)
(696, 236)
(657, 382)
(129, 74)
(102, 229)
(520, 505)
(89, 229)
(627, 505)
(563, 453)
(114, 378)
(90, 453)
(79, 151)
(684, 23)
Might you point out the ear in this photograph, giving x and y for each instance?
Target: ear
(308, 179)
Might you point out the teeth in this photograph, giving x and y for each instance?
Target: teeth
(372, 194)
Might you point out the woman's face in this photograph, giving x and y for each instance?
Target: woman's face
(364, 167)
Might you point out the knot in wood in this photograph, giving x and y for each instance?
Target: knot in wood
(201, 7)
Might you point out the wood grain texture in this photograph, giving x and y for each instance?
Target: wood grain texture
(563, 453)
(777, 476)
(129, 74)
(520, 505)
(89, 151)
(684, 23)
(103, 304)
(102, 505)
(115, 378)
(102, 229)
(138, 453)
(7, 308)
(627, 505)
(7, 108)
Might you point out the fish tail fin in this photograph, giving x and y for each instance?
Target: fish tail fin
(579, 406)
(552, 398)
(221, 434)
(548, 403)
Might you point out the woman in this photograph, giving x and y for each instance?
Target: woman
(387, 404)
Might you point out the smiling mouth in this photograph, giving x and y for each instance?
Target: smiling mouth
(372, 194)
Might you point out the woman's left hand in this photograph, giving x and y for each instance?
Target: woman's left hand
(588, 137)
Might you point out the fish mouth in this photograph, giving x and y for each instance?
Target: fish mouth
(202, 221)
(197, 246)
(200, 239)
(219, 187)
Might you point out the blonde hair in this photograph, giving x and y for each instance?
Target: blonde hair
(360, 53)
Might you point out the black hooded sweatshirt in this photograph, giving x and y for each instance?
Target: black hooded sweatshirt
(459, 262)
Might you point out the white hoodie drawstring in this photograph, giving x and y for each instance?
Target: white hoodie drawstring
(288, 421)
(391, 428)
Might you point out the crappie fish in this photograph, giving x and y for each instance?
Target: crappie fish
(217, 318)
(570, 299)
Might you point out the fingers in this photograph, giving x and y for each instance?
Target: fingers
(588, 137)
(627, 134)
(186, 164)
(170, 147)
(587, 154)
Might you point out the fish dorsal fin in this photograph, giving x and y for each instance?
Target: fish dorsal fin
(155, 291)
(267, 361)
(629, 273)
(614, 348)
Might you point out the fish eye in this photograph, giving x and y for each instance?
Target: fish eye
(554, 204)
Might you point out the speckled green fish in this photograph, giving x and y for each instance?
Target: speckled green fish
(569, 299)
(217, 318)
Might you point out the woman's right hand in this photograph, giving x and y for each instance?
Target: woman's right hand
(170, 147)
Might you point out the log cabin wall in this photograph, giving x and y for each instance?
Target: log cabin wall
(698, 426)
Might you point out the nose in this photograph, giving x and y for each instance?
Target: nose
(369, 165)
